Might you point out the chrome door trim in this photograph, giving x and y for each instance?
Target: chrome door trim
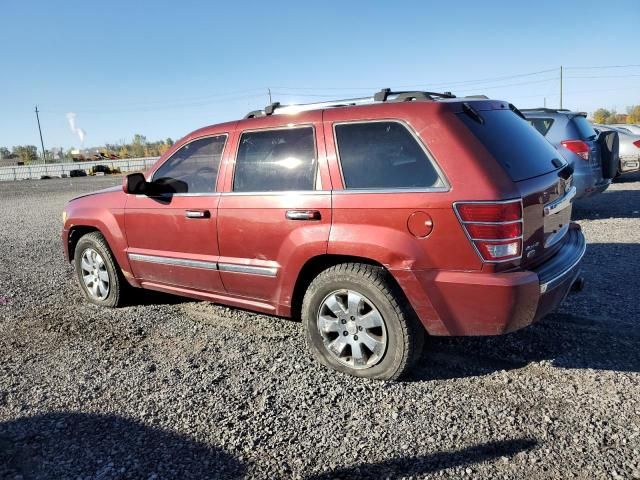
(181, 262)
(250, 269)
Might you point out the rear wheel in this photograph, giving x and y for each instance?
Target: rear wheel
(98, 274)
(354, 322)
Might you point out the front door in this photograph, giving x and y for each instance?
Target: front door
(275, 213)
(171, 233)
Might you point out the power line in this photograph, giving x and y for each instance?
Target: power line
(603, 76)
(603, 66)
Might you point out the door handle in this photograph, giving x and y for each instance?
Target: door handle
(197, 214)
(303, 215)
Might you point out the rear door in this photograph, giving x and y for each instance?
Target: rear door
(275, 212)
(172, 233)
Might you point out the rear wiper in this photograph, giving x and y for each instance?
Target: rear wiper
(472, 112)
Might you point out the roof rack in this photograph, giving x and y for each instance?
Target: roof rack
(384, 95)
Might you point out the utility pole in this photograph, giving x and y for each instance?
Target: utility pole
(44, 156)
(560, 87)
(270, 101)
(545, 102)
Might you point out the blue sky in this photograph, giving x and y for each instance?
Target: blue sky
(164, 68)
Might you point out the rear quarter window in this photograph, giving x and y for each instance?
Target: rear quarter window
(518, 148)
(542, 125)
(383, 155)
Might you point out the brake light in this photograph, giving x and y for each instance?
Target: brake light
(494, 228)
(637, 143)
(578, 147)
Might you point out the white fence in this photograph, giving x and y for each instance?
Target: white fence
(23, 172)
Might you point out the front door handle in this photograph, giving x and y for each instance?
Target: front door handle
(197, 214)
(303, 215)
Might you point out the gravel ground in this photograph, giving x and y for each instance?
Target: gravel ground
(171, 388)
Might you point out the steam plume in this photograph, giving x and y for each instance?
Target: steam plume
(71, 118)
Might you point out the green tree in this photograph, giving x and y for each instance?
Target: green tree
(169, 142)
(4, 152)
(138, 145)
(26, 153)
(601, 115)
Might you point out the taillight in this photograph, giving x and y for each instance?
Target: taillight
(578, 147)
(494, 228)
(637, 143)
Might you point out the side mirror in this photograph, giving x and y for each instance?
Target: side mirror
(135, 184)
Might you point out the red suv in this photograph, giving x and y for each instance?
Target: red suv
(374, 220)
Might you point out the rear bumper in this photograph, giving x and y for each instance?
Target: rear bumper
(472, 303)
(588, 181)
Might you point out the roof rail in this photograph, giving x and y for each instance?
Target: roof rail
(384, 95)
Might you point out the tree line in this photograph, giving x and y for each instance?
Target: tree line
(607, 117)
(138, 147)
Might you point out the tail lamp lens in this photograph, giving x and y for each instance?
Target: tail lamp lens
(490, 212)
(578, 147)
(479, 231)
(637, 143)
(499, 251)
(494, 228)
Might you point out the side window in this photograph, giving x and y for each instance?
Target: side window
(193, 168)
(543, 125)
(383, 155)
(275, 161)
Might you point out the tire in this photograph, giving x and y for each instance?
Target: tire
(609, 153)
(398, 341)
(92, 247)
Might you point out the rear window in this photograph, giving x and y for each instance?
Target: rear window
(541, 124)
(521, 151)
(585, 129)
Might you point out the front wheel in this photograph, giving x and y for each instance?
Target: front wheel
(97, 271)
(356, 322)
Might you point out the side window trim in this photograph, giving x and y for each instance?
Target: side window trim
(234, 161)
(220, 166)
(446, 186)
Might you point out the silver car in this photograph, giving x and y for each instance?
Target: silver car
(627, 128)
(629, 148)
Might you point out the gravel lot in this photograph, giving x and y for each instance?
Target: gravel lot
(171, 388)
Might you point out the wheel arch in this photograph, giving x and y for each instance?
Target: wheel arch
(312, 268)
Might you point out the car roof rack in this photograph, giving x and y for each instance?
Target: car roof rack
(384, 95)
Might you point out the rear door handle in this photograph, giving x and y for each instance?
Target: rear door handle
(303, 215)
(197, 214)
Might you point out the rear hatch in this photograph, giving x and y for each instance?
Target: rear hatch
(541, 174)
(586, 133)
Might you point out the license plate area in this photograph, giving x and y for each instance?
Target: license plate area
(557, 217)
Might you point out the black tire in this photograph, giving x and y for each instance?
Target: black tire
(404, 333)
(609, 153)
(117, 284)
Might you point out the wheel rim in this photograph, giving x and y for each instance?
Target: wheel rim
(94, 274)
(353, 330)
